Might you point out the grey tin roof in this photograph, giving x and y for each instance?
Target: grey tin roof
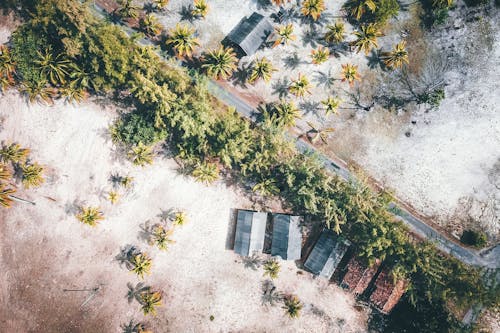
(287, 237)
(250, 33)
(250, 232)
(326, 254)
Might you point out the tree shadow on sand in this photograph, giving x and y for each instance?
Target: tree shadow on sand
(241, 75)
(310, 107)
(293, 61)
(325, 79)
(280, 87)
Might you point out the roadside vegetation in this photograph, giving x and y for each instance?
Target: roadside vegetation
(77, 55)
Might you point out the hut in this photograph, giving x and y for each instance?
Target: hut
(326, 254)
(358, 276)
(250, 33)
(287, 237)
(250, 232)
(387, 293)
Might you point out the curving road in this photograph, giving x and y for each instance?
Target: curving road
(488, 259)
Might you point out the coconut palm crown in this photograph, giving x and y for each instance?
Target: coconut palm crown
(220, 63)
(397, 57)
(182, 40)
(366, 38)
(313, 8)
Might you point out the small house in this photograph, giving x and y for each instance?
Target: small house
(326, 254)
(358, 276)
(250, 232)
(249, 35)
(287, 237)
(387, 293)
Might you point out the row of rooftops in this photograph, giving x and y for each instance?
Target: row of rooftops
(324, 258)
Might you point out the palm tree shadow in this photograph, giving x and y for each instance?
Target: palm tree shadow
(240, 76)
(324, 79)
(286, 15)
(280, 87)
(253, 262)
(293, 61)
(126, 252)
(310, 107)
(264, 4)
(340, 49)
(72, 208)
(135, 292)
(186, 14)
(310, 36)
(260, 110)
(166, 215)
(325, 18)
(146, 230)
(373, 59)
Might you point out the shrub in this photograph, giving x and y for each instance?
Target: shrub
(474, 238)
(137, 127)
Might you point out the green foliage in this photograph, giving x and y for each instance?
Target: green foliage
(206, 172)
(90, 215)
(25, 47)
(433, 98)
(141, 155)
(135, 127)
(292, 306)
(140, 264)
(161, 237)
(13, 153)
(32, 175)
(474, 238)
(272, 268)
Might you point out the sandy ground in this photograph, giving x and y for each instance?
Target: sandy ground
(447, 169)
(45, 249)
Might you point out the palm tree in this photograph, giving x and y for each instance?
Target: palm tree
(150, 26)
(315, 134)
(150, 301)
(5, 193)
(113, 197)
(38, 90)
(161, 4)
(32, 175)
(313, 8)
(127, 9)
(357, 8)
(5, 174)
(7, 62)
(335, 33)
(180, 218)
(182, 40)
(13, 153)
(331, 105)
(280, 2)
(206, 172)
(126, 181)
(262, 69)
(320, 55)
(366, 37)
(220, 63)
(6, 82)
(285, 113)
(200, 8)
(141, 155)
(56, 68)
(285, 34)
(90, 215)
(272, 268)
(292, 305)
(350, 73)
(161, 237)
(300, 86)
(141, 264)
(72, 93)
(442, 3)
(79, 78)
(397, 57)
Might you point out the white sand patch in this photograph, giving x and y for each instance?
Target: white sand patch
(45, 249)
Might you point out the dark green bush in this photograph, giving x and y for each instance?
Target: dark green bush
(134, 128)
(473, 238)
(25, 45)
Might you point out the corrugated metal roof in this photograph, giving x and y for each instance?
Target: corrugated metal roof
(326, 254)
(250, 33)
(287, 237)
(250, 232)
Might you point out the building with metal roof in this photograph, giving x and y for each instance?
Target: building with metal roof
(326, 254)
(287, 237)
(250, 33)
(250, 232)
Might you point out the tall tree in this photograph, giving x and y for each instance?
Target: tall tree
(366, 37)
(150, 301)
(315, 133)
(127, 9)
(32, 175)
(182, 40)
(141, 155)
(140, 264)
(90, 215)
(285, 34)
(397, 57)
(150, 26)
(300, 86)
(335, 33)
(272, 268)
(350, 73)
(5, 193)
(200, 9)
(357, 8)
(320, 55)
(220, 63)
(285, 113)
(206, 172)
(292, 306)
(162, 237)
(313, 8)
(331, 105)
(262, 69)
(54, 67)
